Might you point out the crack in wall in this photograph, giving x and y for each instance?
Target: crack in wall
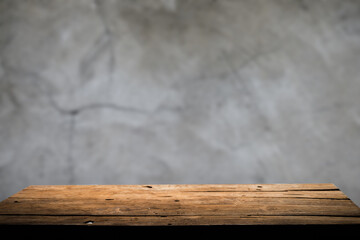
(95, 106)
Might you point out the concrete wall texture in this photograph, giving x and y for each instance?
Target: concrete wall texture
(179, 91)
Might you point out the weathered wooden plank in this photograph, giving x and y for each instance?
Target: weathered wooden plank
(70, 208)
(180, 204)
(100, 192)
(177, 188)
(91, 207)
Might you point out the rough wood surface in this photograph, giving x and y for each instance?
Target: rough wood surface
(181, 205)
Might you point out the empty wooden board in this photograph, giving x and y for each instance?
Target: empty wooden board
(180, 205)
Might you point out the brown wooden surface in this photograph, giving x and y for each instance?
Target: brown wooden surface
(180, 205)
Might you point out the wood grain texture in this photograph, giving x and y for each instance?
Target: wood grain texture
(179, 205)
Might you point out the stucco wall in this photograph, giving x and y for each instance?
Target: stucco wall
(177, 91)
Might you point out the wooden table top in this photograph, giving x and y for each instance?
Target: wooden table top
(179, 205)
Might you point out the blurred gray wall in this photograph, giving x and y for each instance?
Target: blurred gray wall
(179, 91)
